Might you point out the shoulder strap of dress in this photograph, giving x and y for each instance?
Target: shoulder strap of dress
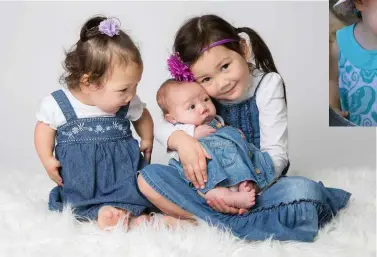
(64, 104)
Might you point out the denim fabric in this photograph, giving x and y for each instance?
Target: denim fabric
(335, 120)
(233, 160)
(245, 116)
(293, 208)
(99, 160)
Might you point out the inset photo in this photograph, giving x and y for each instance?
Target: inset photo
(353, 63)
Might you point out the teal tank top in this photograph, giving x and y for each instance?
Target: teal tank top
(357, 71)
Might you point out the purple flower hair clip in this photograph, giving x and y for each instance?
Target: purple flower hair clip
(110, 27)
(179, 70)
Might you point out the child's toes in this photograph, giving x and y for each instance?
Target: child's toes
(108, 215)
(242, 211)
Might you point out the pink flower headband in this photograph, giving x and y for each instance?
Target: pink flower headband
(181, 71)
(178, 69)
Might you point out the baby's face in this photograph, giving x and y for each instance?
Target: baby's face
(189, 103)
(118, 90)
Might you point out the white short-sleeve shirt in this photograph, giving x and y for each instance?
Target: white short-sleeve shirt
(50, 113)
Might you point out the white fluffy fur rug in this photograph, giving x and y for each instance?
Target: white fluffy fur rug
(28, 229)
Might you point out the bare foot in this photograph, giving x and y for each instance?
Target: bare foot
(244, 186)
(242, 200)
(173, 222)
(109, 216)
(137, 221)
(143, 218)
(247, 186)
(242, 211)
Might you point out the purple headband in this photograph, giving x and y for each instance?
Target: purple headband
(181, 71)
(220, 42)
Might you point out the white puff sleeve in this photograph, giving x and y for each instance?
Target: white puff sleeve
(48, 112)
(136, 108)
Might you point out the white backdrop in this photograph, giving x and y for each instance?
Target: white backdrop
(34, 35)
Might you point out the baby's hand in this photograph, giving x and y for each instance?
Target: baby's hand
(146, 147)
(203, 131)
(52, 166)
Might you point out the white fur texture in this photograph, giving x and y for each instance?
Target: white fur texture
(29, 229)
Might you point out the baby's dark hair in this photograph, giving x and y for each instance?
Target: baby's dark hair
(162, 94)
(95, 54)
(199, 32)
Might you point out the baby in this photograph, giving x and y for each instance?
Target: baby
(230, 176)
(96, 158)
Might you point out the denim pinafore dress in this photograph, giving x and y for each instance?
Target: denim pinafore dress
(245, 116)
(99, 163)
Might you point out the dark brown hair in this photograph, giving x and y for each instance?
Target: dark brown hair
(95, 53)
(201, 31)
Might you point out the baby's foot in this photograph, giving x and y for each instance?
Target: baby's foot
(247, 186)
(241, 200)
(109, 216)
